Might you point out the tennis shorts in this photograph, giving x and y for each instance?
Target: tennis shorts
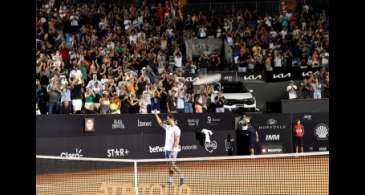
(170, 154)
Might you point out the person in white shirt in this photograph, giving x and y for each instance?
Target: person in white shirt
(76, 74)
(172, 147)
(202, 32)
(292, 90)
(278, 60)
(92, 82)
(178, 59)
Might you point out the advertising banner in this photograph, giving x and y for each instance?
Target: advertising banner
(274, 132)
(133, 136)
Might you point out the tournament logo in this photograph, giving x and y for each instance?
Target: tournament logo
(321, 131)
(210, 146)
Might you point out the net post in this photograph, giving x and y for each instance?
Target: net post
(135, 178)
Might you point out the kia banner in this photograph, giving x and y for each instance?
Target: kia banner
(316, 130)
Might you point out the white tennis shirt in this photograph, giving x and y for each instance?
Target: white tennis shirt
(171, 133)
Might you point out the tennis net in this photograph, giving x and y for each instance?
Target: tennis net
(277, 174)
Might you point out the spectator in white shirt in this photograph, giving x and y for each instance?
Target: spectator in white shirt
(292, 90)
(178, 59)
(92, 82)
(202, 32)
(278, 60)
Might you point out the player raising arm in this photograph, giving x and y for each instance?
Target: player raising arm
(172, 147)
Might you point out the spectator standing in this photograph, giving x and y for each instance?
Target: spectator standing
(317, 89)
(89, 100)
(292, 90)
(66, 98)
(298, 137)
(115, 104)
(188, 107)
(306, 89)
(104, 103)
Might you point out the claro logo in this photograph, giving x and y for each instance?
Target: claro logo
(76, 154)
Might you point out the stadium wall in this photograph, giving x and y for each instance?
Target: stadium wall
(133, 136)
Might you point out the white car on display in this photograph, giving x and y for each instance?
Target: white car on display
(236, 96)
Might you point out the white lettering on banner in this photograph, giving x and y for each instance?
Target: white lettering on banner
(228, 78)
(305, 74)
(271, 124)
(211, 120)
(281, 76)
(156, 149)
(193, 122)
(252, 77)
(144, 124)
(118, 152)
(322, 149)
(274, 137)
(271, 150)
(77, 154)
(275, 150)
(161, 149)
(114, 188)
(272, 127)
(118, 124)
(308, 117)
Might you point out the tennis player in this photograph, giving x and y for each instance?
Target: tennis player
(172, 147)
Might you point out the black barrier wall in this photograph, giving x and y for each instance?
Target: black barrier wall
(132, 136)
(139, 136)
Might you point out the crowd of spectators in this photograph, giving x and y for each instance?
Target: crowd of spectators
(107, 58)
(315, 86)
